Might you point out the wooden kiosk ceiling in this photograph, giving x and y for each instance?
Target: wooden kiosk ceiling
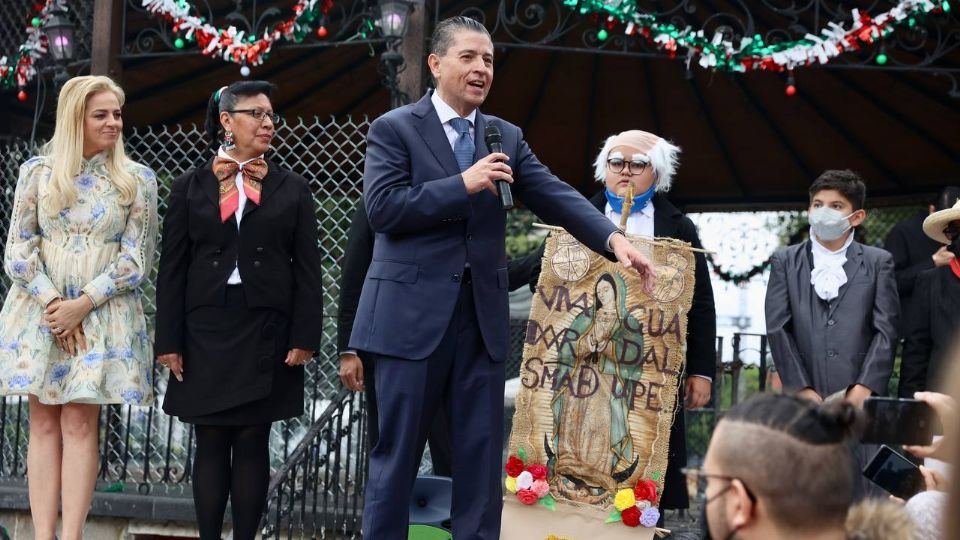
(744, 141)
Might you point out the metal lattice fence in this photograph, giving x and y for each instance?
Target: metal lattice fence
(141, 447)
(13, 25)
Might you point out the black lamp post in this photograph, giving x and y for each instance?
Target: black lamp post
(392, 16)
(60, 42)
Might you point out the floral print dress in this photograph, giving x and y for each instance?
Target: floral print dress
(96, 247)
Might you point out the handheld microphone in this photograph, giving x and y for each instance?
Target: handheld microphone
(494, 143)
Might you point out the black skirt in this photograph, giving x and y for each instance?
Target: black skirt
(233, 367)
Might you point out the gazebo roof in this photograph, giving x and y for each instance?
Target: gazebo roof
(745, 143)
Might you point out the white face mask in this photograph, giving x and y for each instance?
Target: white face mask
(829, 224)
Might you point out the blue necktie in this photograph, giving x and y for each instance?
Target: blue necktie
(463, 147)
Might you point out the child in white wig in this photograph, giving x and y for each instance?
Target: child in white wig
(649, 161)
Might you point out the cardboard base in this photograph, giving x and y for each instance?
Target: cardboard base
(521, 522)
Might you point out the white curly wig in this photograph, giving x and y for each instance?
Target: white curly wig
(661, 153)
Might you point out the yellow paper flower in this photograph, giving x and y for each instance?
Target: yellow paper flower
(511, 483)
(624, 499)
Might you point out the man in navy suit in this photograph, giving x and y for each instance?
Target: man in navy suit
(433, 312)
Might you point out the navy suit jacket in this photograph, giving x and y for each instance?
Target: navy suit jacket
(428, 228)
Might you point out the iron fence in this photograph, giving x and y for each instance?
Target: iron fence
(318, 492)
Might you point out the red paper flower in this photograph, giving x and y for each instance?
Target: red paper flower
(527, 496)
(514, 466)
(630, 516)
(646, 490)
(538, 471)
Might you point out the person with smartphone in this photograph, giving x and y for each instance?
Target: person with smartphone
(928, 508)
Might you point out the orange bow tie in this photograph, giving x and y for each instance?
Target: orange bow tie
(226, 172)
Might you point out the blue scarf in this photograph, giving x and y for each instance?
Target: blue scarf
(639, 201)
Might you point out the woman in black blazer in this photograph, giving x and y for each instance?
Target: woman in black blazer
(238, 305)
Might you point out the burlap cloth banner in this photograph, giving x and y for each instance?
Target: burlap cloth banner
(599, 382)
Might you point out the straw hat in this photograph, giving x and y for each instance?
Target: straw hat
(936, 222)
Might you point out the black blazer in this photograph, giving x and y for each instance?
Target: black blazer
(356, 261)
(668, 222)
(931, 330)
(277, 255)
(912, 252)
(353, 270)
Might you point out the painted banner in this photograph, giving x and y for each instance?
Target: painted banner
(599, 379)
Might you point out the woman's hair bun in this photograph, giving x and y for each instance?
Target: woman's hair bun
(841, 418)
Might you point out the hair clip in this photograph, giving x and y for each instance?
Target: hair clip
(216, 97)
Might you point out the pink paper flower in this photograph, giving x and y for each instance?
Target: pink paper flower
(540, 487)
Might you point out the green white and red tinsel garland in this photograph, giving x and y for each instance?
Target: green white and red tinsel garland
(17, 71)
(234, 45)
(719, 52)
(716, 52)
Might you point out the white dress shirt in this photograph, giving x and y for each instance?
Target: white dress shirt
(827, 275)
(234, 278)
(638, 223)
(446, 113)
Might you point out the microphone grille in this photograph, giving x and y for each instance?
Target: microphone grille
(492, 134)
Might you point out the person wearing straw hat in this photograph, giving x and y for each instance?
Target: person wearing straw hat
(933, 316)
(913, 251)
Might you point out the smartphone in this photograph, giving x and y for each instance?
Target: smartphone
(898, 421)
(894, 473)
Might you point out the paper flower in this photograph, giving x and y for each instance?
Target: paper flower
(538, 471)
(646, 490)
(643, 505)
(527, 496)
(524, 480)
(624, 500)
(540, 487)
(630, 516)
(511, 484)
(650, 517)
(514, 466)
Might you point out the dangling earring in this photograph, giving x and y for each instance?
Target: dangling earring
(228, 143)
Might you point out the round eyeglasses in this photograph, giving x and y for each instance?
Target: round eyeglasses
(618, 165)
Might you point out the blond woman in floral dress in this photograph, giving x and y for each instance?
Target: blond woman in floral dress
(73, 333)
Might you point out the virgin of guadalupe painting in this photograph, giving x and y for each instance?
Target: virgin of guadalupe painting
(599, 385)
(592, 446)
